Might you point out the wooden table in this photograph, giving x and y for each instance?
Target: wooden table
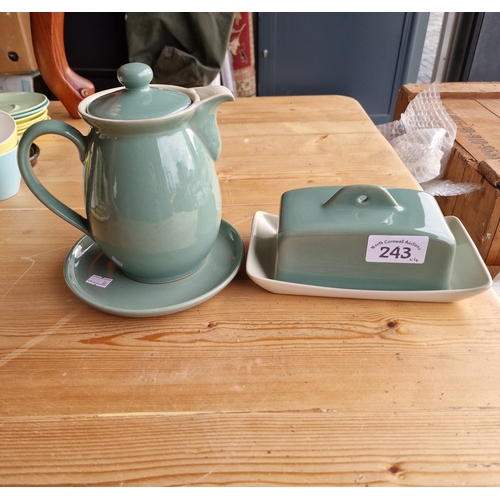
(250, 387)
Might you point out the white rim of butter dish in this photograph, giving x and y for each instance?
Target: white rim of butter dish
(469, 275)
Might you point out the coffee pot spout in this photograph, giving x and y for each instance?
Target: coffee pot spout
(204, 120)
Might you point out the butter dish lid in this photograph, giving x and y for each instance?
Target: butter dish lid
(361, 208)
(138, 100)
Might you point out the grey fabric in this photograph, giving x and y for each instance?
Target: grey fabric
(182, 48)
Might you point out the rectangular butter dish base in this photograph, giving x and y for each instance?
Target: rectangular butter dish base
(469, 274)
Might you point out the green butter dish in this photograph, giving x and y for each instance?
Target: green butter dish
(364, 237)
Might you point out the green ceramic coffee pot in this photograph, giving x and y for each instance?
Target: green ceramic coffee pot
(152, 195)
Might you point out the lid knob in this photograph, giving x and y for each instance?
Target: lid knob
(135, 75)
(138, 100)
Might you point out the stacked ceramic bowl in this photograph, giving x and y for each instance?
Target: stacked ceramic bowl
(10, 177)
(8, 133)
(26, 108)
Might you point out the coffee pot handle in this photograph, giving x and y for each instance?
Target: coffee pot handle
(50, 201)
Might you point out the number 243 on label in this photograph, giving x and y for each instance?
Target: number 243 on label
(397, 249)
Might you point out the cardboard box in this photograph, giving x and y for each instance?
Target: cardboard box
(17, 83)
(475, 158)
(17, 55)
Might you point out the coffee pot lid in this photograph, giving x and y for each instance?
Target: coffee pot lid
(138, 100)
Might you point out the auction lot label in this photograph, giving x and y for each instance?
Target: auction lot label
(395, 249)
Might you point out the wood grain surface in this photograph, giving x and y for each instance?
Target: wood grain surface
(250, 387)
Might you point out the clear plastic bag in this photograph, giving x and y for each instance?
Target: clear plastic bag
(423, 138)
(421, 151)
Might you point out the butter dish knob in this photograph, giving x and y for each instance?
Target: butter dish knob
(363, 195)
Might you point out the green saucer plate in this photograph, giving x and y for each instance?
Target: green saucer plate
(20, 104)
(93, 278)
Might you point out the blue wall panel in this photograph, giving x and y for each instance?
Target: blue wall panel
(361, 55)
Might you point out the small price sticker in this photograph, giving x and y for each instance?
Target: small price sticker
(396, 249)
(99, 281)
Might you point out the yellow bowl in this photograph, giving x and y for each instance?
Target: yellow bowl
(8, 132)
(21, 130)
(34, 119)
(30, 118)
